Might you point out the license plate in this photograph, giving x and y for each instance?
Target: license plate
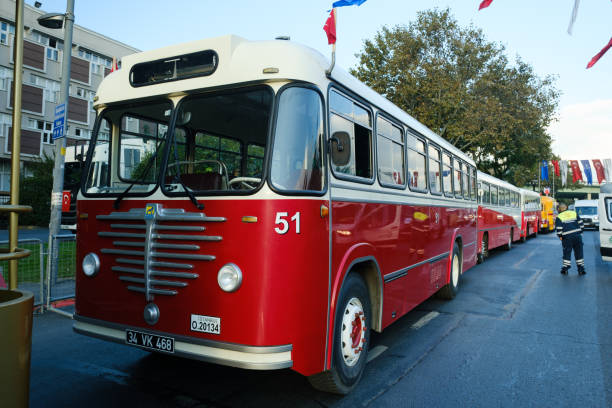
(205, 324)
(149, 341)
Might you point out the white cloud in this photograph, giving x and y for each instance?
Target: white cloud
(583, 131)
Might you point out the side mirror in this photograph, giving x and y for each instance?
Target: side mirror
(341, 152)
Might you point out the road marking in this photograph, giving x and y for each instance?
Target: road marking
(424, 320)
(376, 351)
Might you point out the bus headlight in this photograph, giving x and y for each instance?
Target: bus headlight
(229, 277)
(91, 264)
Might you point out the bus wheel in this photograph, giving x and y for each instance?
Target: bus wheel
(351, 339)
(484, 248)
(449, 291)
(509, 244)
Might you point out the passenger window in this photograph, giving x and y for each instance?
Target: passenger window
(348, 117)
(493, 195)
(435, 175)
(473, 183)
(457, 166)
(466, 184)
(487, 193)
(391, 169)
(447, 174)
(416, 163)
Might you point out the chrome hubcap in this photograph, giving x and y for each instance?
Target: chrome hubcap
(352, 334)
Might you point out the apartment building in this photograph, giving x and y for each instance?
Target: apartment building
(92, 56)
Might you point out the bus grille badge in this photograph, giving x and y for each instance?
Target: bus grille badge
(151, 313)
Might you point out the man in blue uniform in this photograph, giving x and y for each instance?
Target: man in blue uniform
(569, 228)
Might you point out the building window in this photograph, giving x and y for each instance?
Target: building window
(52, 54)
(5, 175)
(45, 128)
(6, 76)
(4, 32)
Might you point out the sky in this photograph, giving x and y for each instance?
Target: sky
(534, 30)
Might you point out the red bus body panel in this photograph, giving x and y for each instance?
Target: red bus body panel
(284, 293)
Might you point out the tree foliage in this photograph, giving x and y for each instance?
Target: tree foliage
(35, 191)
(465, 89)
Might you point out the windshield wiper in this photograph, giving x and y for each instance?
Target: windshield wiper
(177, 179)
(138, 180)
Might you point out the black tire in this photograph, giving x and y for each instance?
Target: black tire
(348, 360)
(484, 249)
(450, 290)
(508, 246)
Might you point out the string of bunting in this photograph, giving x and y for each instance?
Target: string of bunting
(603, 170)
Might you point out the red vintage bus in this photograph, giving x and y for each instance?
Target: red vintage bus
(499, 214)
(256, 212)
(530, 213)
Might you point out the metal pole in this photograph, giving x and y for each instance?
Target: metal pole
(60, 144)
(16, 147)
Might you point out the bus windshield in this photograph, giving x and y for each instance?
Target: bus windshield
(219, 142)
(586, 210)
(135, 157)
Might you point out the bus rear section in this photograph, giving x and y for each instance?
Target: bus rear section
(547, 217)
(530, 213)
(605, 221)
(498, 214)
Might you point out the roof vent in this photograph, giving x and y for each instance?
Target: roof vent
(283, 37)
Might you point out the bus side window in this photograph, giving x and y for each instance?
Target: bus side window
(390, 148)
(347, 116)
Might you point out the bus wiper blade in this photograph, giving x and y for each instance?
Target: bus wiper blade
(138, 180)
(190, 194)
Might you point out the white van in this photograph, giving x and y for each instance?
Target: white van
(605, 229)
(587, 210)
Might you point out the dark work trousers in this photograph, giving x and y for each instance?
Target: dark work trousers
(572, 241)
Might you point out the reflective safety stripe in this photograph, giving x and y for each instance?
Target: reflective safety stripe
(571, 232)
(568, 216)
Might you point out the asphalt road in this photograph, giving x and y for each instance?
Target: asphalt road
(519, 334)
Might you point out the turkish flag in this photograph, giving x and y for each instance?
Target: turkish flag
(330, 27)
(599, 169)
(555, 164)
(485, 4)
(576, 173)
(599, 54)
(66, 201)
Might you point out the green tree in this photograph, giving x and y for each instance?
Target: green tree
(464, 88)
(35, 191)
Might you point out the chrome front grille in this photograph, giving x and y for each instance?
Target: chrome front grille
(141, 272)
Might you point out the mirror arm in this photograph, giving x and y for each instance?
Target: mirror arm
(339, 147)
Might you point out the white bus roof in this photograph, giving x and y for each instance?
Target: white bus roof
(529, 193)
(494, 180)
(585, 203)
(241, 61)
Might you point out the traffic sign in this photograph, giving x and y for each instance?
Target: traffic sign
(58, 123)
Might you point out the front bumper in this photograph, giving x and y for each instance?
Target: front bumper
(229, 354)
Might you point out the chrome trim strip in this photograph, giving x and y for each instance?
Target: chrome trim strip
(153, 281)
(188, 237)
(121, 252)
(185, 247)
(497, 228)
(120, 235)
(183, 256)
(156, 263)
(129, 244)
(185, 275)
(470, 244)
(152, 291)
(194, 340)
(404, 271)
(180, 228)
(234, 355)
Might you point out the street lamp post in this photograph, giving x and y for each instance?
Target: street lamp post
(55, 21)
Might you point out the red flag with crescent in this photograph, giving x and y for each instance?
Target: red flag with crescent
(330, 27)
(485, 4)
(599, 169)
(555, 164)
(576, 173)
